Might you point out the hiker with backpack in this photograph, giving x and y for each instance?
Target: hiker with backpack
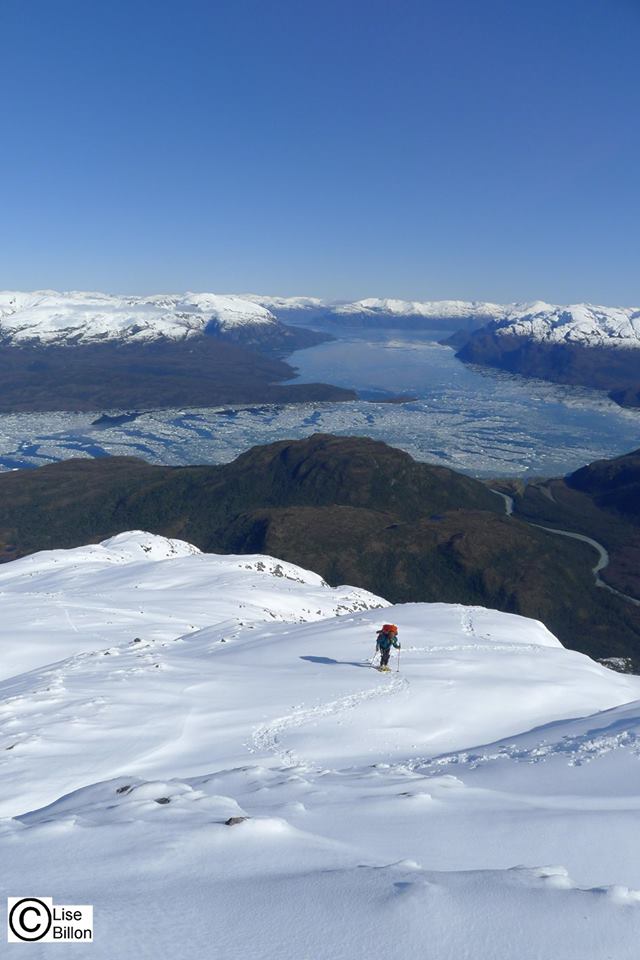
(387, 638)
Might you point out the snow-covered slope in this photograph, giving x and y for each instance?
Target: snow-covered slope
(48, 317)
(137, 584)
(580, 324)
(481, 802)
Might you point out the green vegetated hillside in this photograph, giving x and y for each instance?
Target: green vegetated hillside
(601, 500)
(353, 509)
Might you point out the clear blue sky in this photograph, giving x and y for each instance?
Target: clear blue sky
(411, 148)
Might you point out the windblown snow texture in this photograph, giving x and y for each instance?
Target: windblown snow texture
(482, 802)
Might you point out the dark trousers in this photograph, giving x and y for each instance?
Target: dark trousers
(385, 653)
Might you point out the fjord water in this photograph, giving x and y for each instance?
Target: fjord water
(473, 417)
(479, 421)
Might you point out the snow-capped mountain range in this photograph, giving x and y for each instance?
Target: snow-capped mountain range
(54, 318)
(198, 746)
(581, 324)
(385, 307)
(432, 309)
(51, 318)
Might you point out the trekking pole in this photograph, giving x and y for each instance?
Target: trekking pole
(398, 664)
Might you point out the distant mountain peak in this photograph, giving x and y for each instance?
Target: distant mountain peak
(578, 323)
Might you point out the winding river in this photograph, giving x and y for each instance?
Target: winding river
(603, 553)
